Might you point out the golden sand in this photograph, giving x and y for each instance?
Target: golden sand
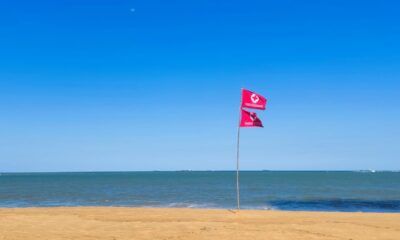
(138, 223)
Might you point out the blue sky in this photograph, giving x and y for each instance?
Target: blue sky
(154, 85)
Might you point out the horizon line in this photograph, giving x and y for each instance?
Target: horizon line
(188, 170)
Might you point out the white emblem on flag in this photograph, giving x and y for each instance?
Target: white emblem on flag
(252, 117)
(254, 98)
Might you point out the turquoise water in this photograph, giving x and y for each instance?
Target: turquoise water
(315, 191)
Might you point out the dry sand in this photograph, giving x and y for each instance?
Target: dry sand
(136, 223)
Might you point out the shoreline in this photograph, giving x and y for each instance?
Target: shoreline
(192, 223)
(198, 208)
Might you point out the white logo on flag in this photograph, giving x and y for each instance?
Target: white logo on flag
(253, 117)
(254, 98)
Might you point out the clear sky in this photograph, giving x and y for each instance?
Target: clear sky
(154, 85)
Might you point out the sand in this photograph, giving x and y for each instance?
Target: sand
(138, 223)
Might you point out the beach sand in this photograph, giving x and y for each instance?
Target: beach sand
(138, 223)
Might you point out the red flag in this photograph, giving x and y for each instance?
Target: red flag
(253, 100)
(250, 119)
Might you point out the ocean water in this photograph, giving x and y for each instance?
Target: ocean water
(281, 190)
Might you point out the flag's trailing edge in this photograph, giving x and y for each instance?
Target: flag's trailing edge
(250, 119)
(253, 100)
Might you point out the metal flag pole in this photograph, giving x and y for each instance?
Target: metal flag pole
(237, 155)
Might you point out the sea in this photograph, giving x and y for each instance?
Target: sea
(344, 191)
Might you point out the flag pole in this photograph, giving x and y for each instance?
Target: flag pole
(237, 154)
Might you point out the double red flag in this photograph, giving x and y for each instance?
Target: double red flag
(255, 101)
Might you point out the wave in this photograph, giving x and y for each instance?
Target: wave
(178, 205)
